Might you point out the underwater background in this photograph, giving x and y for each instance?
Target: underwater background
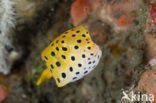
(123, 29)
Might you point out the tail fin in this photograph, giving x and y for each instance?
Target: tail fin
(46, 74)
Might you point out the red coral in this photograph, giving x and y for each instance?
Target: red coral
(3, 93)
(148, 82)
(81, 8)
(153, 12)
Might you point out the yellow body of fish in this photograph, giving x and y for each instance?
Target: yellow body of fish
(70, 57)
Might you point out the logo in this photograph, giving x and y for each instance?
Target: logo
(132, 97)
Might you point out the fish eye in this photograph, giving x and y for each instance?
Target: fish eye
(64, 48)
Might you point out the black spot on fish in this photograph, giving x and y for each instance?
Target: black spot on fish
(58, 80)
(98, 56)
(62, 41)
(83, 56)
(91, 54)
(73, 35)
(89, 48)
(74, 78)
(85, 72)
(79, 41)
(66, 32)
(63, 56)
(77, 31)
(57, 41)
(76, 47)
(72, 58)
(52, 66)
(94, 61)
(89, 63)
(52, 54)
(63, 36)
(83, 35)
(52, 44)
(71, 69)
(50, 70)
(57, 48)
(63, 75)
(79, 65)
(58, 63)
(45, 57)
(77, 73)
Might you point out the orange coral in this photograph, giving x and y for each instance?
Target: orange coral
(3, 93)
(118, 14)
(148, 82)
(81, 8)
(124, 21)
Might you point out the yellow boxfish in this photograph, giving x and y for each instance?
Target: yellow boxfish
(70, 57)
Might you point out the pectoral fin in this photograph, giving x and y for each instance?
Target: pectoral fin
(46, 74)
